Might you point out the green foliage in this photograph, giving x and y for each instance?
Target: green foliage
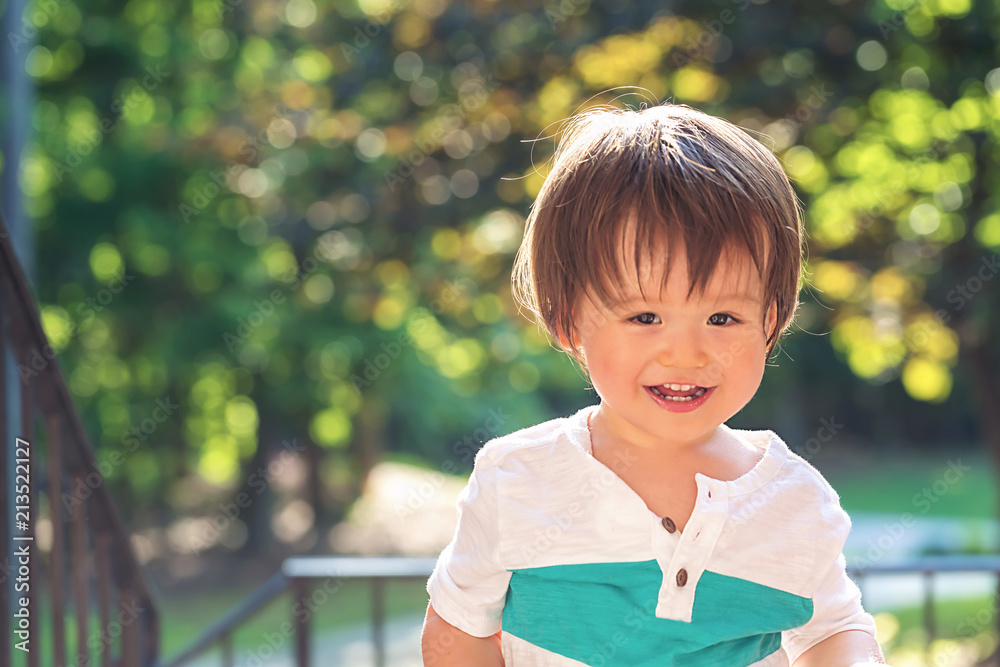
(296, 219)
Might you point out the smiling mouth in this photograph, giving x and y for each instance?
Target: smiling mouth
(678, 396)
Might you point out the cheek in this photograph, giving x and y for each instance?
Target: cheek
(750, 364)
(738, 359)
(607, 365)
(604, 368)
(755, 372)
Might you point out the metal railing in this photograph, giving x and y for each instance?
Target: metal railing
(929, 567)
(297, 575)
(99, 554)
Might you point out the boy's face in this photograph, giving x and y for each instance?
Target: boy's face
(715, 341)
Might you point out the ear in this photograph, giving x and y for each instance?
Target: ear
(771, 320)
(573, 349)
(564, 340)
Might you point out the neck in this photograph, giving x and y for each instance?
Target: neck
(608, 428)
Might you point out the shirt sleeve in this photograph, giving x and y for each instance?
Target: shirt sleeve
(468, 586)
(836, 604)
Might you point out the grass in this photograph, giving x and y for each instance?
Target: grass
(922, 486)
(965, 632)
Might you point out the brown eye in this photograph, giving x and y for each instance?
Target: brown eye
(713, 319)
(646, 318)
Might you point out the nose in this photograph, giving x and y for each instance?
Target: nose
(682, 346)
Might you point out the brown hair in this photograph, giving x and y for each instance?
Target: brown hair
(670, 172)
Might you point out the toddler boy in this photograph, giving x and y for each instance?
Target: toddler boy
(664, 253)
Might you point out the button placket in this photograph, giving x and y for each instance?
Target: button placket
(666, 539)
(697, 542)
(663, 542)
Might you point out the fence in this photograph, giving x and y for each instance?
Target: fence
(297, 574)
(87, 549)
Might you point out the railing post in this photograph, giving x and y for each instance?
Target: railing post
(80, 557)
(53, 424)
(227, 650)
(929, 624)
(300, 591)
(104, 595)
(152, 652)
(997, 593)
(997, 619)
(131, 632)
(378, 619)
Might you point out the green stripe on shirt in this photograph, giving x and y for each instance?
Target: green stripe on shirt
(602, 614)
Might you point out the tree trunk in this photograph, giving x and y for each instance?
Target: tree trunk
(257, 515)
(370, 426)
(984, 370)
(314, 483)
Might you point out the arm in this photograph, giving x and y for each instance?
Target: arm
(844, 649)
(468, 587)
(444, 645)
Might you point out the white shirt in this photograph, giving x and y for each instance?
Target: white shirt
(589, 575)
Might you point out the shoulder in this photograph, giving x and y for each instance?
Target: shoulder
(793, 485)
(798, 510)
(815, 496)
(808, 472)
(793, 469)
(526, 442)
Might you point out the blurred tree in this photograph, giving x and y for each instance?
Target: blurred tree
(295, 219)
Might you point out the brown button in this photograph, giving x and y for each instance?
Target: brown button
(669, 524)
(682, 577)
